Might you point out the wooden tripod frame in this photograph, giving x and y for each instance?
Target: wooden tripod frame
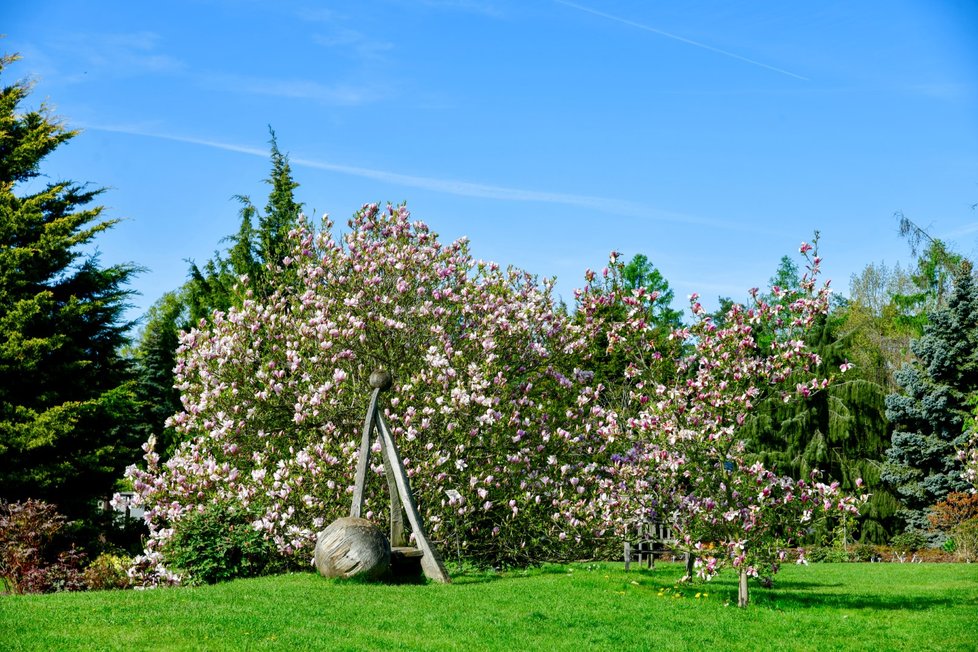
(402, 500)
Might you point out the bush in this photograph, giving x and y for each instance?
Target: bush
(965, 536)
(865, 552)
(827, 555)
(27, 565)
(486, 408)
(108, 571)
(956, 508)
(217, 545)
(909, 542)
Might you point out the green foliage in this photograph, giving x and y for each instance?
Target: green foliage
(155, 357)
(654, 299)
(28, 562)
(933, 279)
(875, 326)
(965, 538)
(909, 541)
(108, 571)
(217, 545)
(213, 287)
(67, 401)
(253, 250)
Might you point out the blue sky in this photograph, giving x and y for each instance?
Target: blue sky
(711, 136)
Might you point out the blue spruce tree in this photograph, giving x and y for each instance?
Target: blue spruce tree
(929, 414)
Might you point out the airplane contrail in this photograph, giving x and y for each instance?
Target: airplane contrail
(620, 207)
(676, 37)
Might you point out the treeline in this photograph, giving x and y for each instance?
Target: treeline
(81, 398)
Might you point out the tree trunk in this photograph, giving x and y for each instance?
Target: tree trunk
(742, 597)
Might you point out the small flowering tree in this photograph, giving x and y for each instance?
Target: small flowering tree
(274, 395)
(969, 455)
(680, 458)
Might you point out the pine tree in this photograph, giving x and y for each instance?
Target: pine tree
(252, 251)
(67, 403)
(930, 413)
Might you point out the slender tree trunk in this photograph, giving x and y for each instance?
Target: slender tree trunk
(742, 596)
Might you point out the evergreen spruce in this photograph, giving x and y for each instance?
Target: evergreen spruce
(930, 413)
(67, 403)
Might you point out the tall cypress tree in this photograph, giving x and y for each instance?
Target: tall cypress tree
(67, 403)
(930, 413)
(252, 251)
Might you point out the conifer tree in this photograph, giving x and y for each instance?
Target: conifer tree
(842, 431)
(252, 251)
(930, 413)
(67, 405)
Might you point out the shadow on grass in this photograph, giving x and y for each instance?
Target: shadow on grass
(475, 576)
(804, 599)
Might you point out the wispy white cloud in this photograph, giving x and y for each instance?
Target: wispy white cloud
(362, 45)
(966, 229)
(124, 55)
(116, 55)
(676, 37)
(304, 89)
(604, 205)
(473, 6)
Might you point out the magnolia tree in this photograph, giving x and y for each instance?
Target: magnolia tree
(969, 455)
(679, 457)
(484, 409)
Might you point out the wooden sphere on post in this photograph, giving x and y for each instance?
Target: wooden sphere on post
(381, 379)
(352, 547)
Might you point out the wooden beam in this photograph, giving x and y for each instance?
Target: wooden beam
(360, 483)
(431, 563)
(397, 510)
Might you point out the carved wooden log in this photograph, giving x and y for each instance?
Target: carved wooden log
(352, 547)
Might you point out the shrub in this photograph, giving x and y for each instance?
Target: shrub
(827, 555)
(909, 541)
(27, 530)
(108, 571)
(217, 545)
(965, 536)
(865, 552)
(956, 508)
(486, 406)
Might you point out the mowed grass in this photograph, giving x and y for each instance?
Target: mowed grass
(577, 607)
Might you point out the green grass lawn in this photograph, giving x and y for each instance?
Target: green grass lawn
(578, 607)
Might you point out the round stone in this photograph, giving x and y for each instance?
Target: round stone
(352, 547)
(380, 379)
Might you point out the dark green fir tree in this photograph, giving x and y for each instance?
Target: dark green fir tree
(67, 400)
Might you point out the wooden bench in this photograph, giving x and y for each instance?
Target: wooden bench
(653, 538)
